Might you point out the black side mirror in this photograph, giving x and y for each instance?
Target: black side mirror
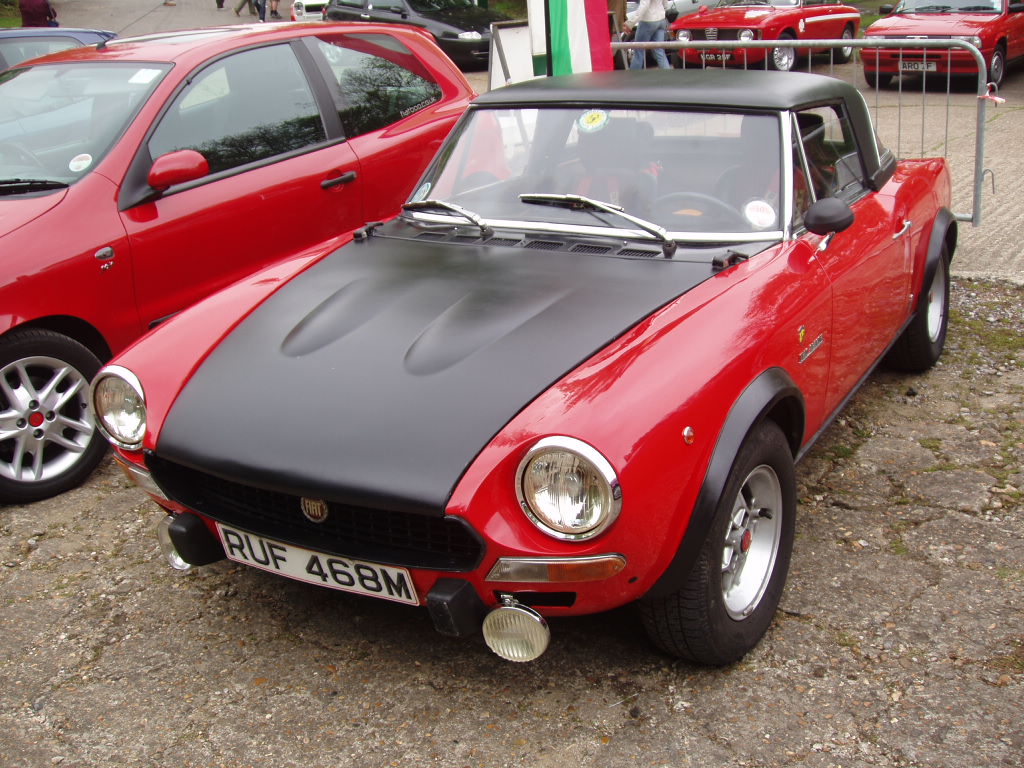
(886, 9)
(830, 214)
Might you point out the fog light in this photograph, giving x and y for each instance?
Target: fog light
(163, 535)
(516, 632)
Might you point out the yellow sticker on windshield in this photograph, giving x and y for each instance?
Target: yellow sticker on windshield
(592, 120)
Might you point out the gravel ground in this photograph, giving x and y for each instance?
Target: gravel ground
(899, 641)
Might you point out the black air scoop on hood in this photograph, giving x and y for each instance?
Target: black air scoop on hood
(376, 376)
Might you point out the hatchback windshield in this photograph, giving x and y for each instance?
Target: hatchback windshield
(57, 122)
(950, 6)
(695, 172)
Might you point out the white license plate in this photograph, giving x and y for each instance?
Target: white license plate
(715, 56)
(341, 573)
(917, 66)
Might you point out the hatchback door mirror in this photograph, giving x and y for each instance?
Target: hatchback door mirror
(177, 168)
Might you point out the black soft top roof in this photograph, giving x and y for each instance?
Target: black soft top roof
(737, 88)
(730, 89)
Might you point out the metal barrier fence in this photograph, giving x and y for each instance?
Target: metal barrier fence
(825, 50)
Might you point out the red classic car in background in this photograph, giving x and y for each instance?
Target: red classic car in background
(575, 373)
(994, 27)
(740, 20)
(138, 176)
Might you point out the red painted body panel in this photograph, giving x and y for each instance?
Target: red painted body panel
(170, 252)
(822, 315)
(818, 22)
(784, 298)
(1004, 29)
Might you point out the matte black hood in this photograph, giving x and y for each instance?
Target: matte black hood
(377, 375)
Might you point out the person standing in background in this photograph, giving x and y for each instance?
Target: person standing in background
(37, 13)
(651, 27)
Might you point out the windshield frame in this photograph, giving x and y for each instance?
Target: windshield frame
(607, 225)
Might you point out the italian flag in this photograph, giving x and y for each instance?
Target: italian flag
(579, 38)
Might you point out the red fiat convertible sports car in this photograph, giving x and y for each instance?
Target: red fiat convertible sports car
(741, 20)
(141, 175)
(994, 27)
(575, 373)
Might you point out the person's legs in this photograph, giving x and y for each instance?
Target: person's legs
(645, 32)
(660, 57)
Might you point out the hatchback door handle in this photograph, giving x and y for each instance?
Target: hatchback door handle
(345, 178)
(906, 228)
(105, 255)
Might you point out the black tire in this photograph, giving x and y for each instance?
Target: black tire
(997, 66)
(921, 343)
(783, 59)
(843, 55)
(51, 443)
(877, 80)
(715, 618)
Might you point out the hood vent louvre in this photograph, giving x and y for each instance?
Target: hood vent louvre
(545, 245)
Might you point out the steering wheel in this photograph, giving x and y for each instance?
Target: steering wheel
(14, 150)
(699, 201)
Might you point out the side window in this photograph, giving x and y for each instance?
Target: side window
(393, 6)
(350, 3)
(833, 163)
(379, 81)
(246, 107)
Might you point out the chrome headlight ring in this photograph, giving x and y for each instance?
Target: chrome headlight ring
(568, 489)
(119, 407)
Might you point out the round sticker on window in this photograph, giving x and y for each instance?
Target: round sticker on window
(592, 120)
(79, 163)
(760, 214)
(421, 193)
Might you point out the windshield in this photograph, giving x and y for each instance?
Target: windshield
(57, 122)
(426, 6)
(693, 172)
(950, 6)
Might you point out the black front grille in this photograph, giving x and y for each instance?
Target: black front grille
(391, 538)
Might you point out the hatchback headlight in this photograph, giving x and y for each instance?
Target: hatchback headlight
(119, 406)
(568, 489)
(470, 36)
(746, 34)
(972, 39)
(683, 34)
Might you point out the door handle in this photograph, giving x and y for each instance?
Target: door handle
(345, 178)
(106, 255)
(364, 16)
(906, 228)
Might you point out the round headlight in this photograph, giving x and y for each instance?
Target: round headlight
(746, 34)
(119, 406)
(568, 489)
(683, 34)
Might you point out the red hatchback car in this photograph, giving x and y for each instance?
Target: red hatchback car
(994, 27)
(575, 373)
(741, 20)
(140, 175)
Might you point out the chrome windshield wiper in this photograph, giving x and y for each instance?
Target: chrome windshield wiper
(417, 205)
(17, 186)
(581, 203)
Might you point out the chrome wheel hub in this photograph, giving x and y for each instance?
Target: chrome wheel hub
(751, 542)
(44, 419)
(936, 307)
